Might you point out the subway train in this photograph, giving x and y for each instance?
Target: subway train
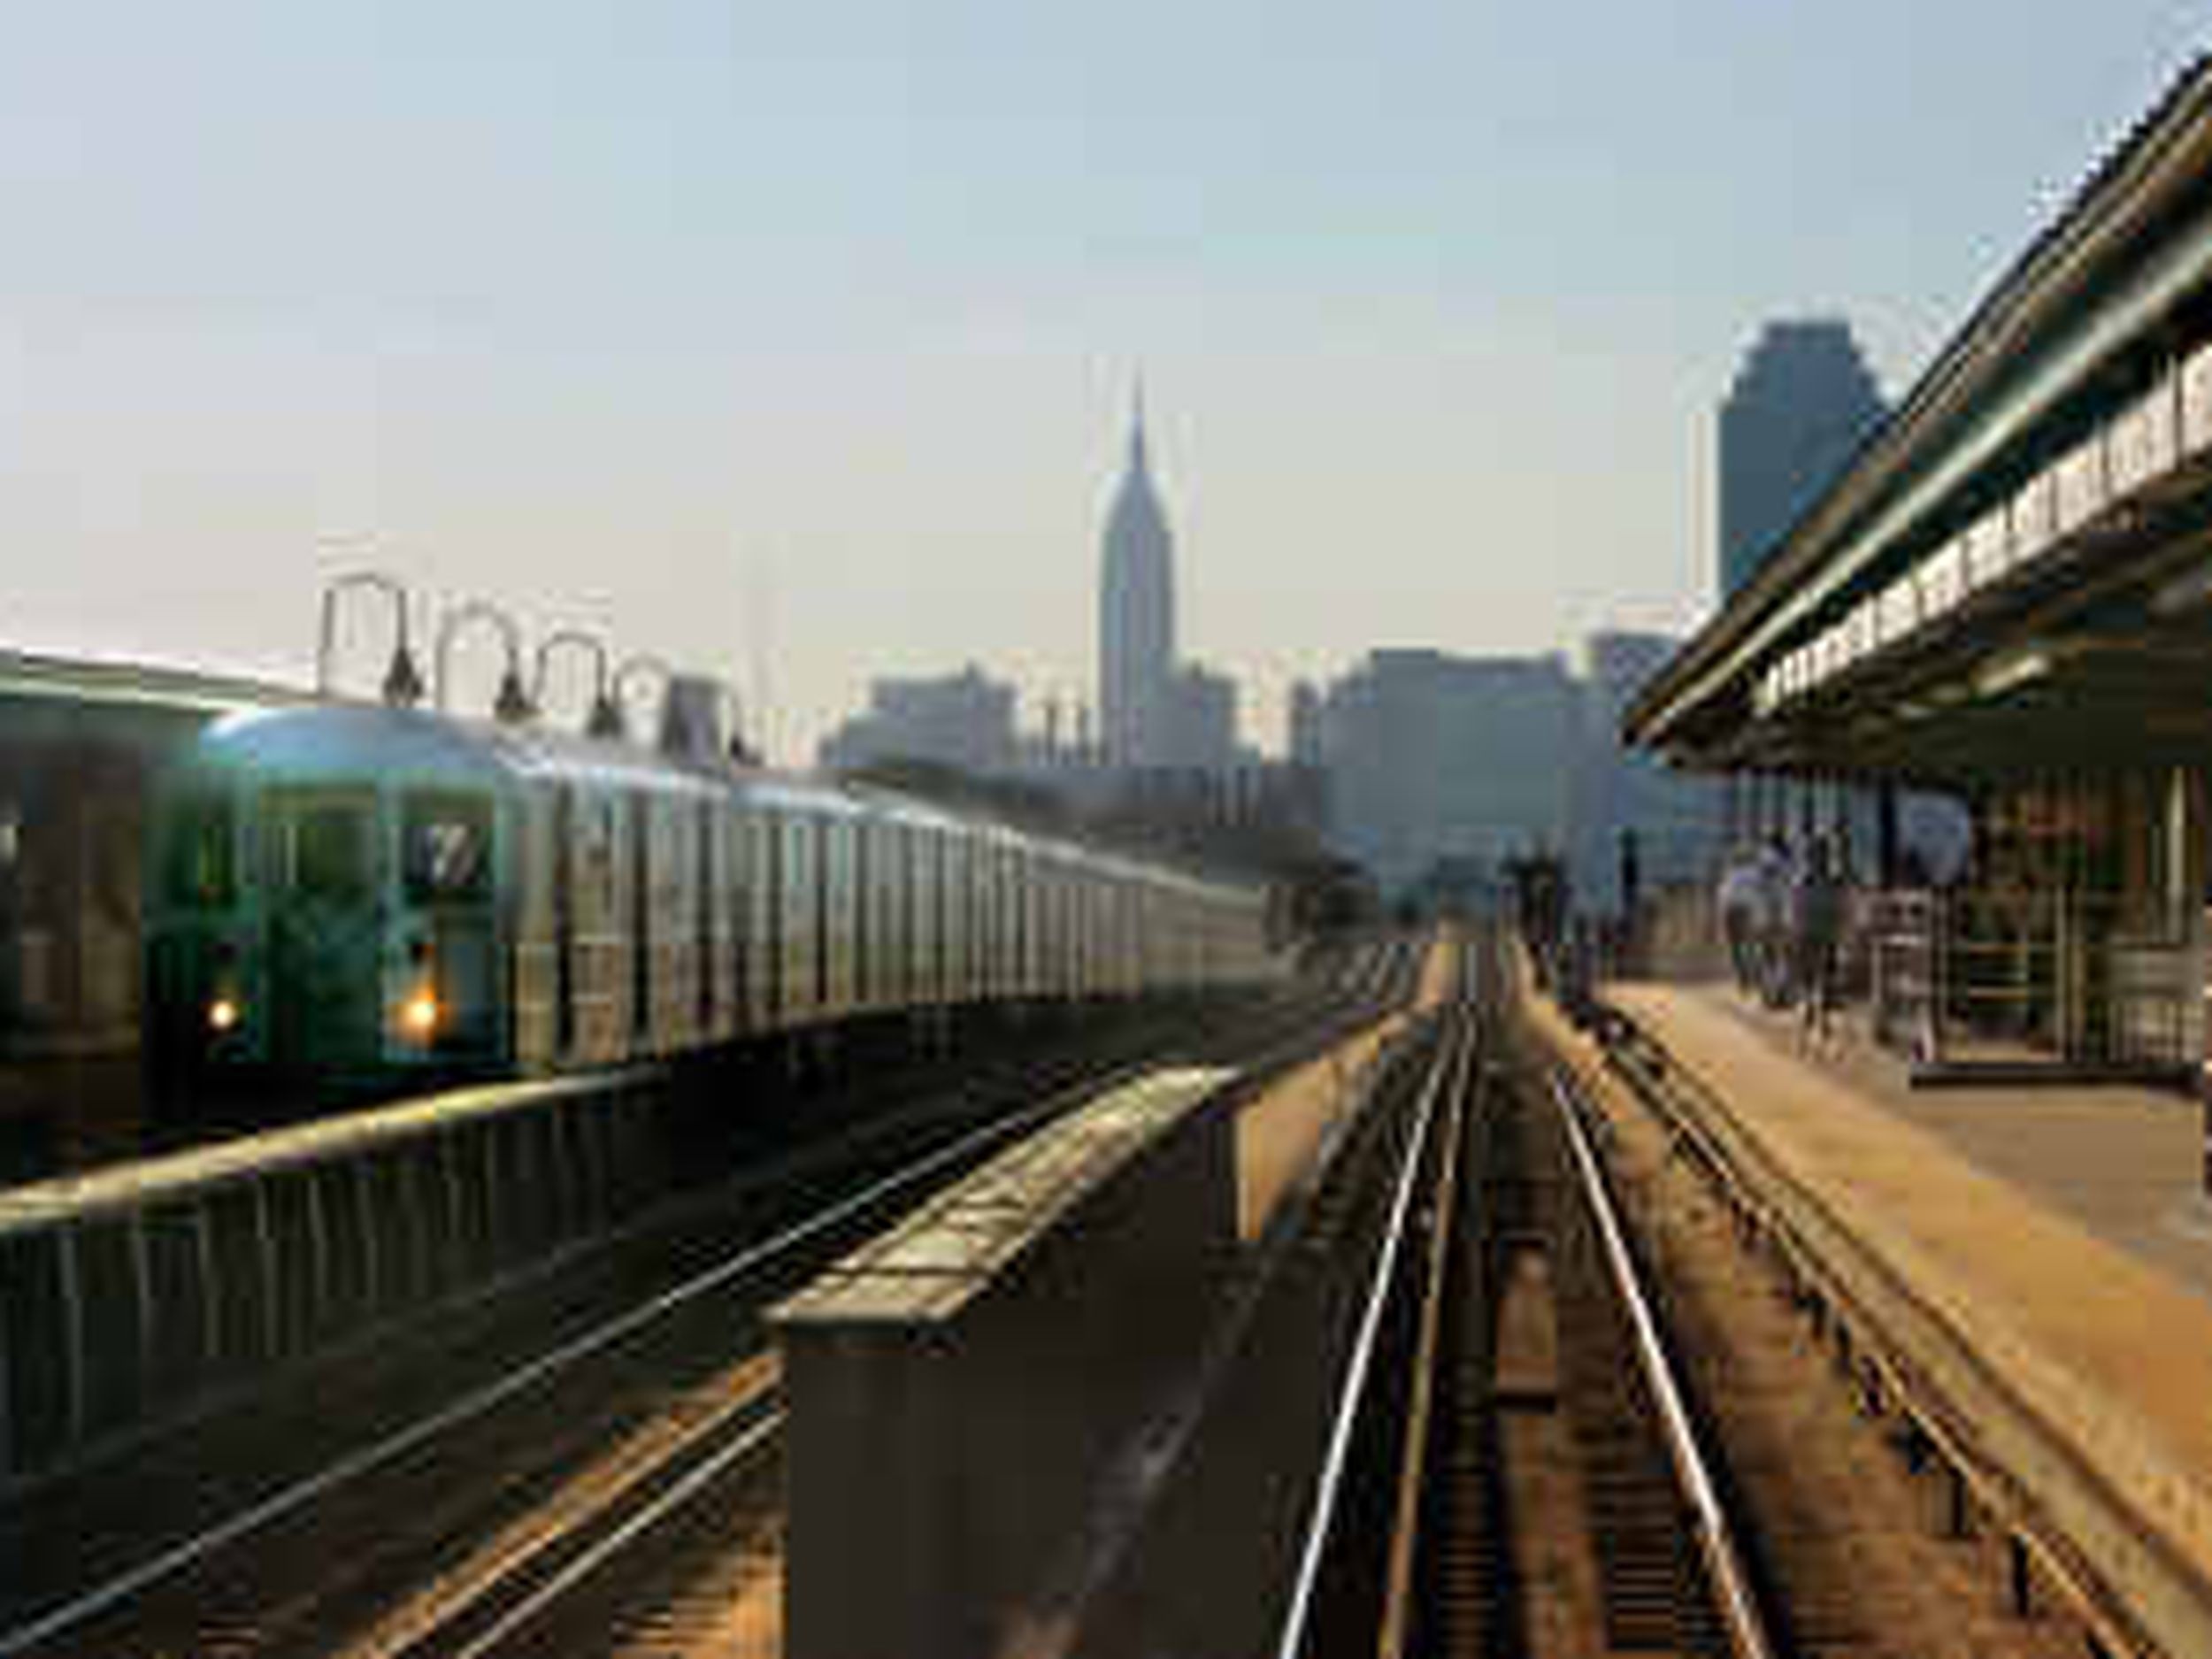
(389, 895)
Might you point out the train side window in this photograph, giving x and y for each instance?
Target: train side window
(604, 829)
(202, 862)
(447, 847)
(839, 857)
(330, 852)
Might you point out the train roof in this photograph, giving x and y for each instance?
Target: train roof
(336, 741)
(333, 741)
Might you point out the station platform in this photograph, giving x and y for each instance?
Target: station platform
(2061, 1232)
(2124, 1162)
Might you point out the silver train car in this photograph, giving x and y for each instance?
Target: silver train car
(369, 891)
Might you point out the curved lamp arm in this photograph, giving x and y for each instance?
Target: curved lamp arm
(402, 681)
(605, 719)
(513, 704)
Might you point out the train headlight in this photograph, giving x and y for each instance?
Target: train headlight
(418, 1015)
(223, 1014)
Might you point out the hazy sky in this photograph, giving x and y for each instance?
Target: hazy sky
(803, 334)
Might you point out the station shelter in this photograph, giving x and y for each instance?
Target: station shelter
(2005, 597)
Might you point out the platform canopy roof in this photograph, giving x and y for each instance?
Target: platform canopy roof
(2013, 576)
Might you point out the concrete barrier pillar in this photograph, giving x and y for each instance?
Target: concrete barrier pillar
(959, 1387)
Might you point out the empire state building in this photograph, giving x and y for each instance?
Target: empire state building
(1136, 618)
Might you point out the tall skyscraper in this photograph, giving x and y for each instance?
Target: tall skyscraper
(1136, 618)
(1802, 402)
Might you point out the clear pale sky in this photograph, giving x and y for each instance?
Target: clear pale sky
(802, 336)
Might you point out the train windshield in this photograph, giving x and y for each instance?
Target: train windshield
(202, 870)
(328, 852)
(447, 840)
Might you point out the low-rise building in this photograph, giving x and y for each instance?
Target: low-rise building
(1434, 756)
(1674, 817)
(965, 720)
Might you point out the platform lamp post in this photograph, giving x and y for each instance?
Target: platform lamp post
(605, 718)
(640, 663)
(403, 681)
(512, 705)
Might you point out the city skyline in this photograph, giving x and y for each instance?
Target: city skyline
(802, 341)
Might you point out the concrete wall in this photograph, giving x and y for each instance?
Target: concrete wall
(129, 1295)
(945, 1450)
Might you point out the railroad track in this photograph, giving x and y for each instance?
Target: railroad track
(211, 1472)
(512, 1594)
(470, 1524)
(1867, 1441)
(627, 1580)
(1572, 1384)
(1672, 1549)
(1516, 1465)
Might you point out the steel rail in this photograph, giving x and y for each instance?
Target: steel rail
(1400, 1584)
(1734, 1599)
(746, 1428)
(1321, 1522)
(712, 1469)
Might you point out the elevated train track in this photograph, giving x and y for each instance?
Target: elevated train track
(1613, 1390)
(505, 1481)
(1505, 1284)
(1593, 1394)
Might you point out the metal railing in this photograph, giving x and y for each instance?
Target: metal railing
(2025, 975)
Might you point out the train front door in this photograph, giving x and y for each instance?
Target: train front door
(325, 895)
(448, 886)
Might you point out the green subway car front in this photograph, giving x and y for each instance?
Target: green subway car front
(327, 904)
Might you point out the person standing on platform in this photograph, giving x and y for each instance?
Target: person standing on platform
(1818, 915)
(1777, 879)
(1738, 900)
